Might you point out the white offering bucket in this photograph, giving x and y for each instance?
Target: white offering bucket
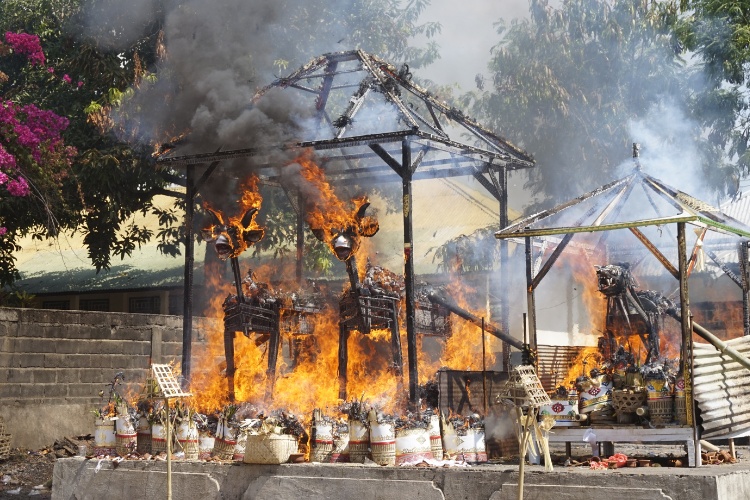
(158, 438)
(206, 443)
(143, 442)
(340, 451)
(383, 443)
(598, 396)
(479, 445)
(225, 442)
(359, 441)
(321, 441)
(467, 447)
(436, 441)
(187, 439)
(412, 446)
(451, 441)
(104, 437)
(126, 439)
(564, 411)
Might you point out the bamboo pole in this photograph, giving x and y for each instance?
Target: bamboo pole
(169, 452)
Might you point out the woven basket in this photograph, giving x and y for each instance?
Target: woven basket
(190, 448)
(125, 443)
(269, 448)
(628, 401)
(4, 446)
(384, 453)
(224, 450)
(143, 443)
(2, 426)
(680, 411)
(661, 411)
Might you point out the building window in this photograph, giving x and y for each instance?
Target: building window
(176, 304)
(56, 304)
(94, 305)
(145, 305)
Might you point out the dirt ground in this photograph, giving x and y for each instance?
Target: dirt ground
(27, 474)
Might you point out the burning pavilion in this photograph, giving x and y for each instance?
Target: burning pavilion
(366, 121)
(636, 348)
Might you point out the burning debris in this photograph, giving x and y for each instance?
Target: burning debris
(624, 301)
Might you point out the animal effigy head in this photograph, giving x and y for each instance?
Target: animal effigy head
(343, 236)
(232, 236)
(614, 279)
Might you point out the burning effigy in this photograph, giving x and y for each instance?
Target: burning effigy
(629, 378)
(259, 394)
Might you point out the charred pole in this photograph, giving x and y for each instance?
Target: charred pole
(411, 333)
(463, 313)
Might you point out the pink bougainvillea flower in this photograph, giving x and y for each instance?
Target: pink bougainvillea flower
(67, 79)
(18, 187)
(50, 70)
(28, 45)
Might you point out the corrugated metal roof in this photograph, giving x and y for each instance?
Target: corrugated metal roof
(739, 208)
(721, 388)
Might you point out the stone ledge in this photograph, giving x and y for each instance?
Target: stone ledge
(78, 478)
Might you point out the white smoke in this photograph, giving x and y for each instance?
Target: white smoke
(669, 151)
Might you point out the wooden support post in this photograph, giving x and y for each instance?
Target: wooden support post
(530, 300)
(187, 312)
(398, 358)
(503, 271)
(229, 358)
(273, 353)
(745, 278)
(343, 359)
(300, 238)
(411, 334)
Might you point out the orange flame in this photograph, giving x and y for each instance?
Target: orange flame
(310, 380)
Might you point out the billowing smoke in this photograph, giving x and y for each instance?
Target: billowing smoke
(669, 151)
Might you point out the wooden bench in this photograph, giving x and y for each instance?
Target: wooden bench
(633, 434)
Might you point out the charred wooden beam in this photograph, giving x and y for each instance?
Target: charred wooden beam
(187, 313)
(523, 224)
(343, 359)
(593, 229)
(655, 251)
(229, 359)
(411, 333)
(744, 258)
(325, 88)
(551, 260)
(463, 313)
(530, 299)
(737, 280)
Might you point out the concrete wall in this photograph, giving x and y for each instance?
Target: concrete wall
(77, 478)
(54, 363)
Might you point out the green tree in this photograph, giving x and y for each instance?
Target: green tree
(718, 33)
(567, 82)
(119, 76)
(109, 181)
